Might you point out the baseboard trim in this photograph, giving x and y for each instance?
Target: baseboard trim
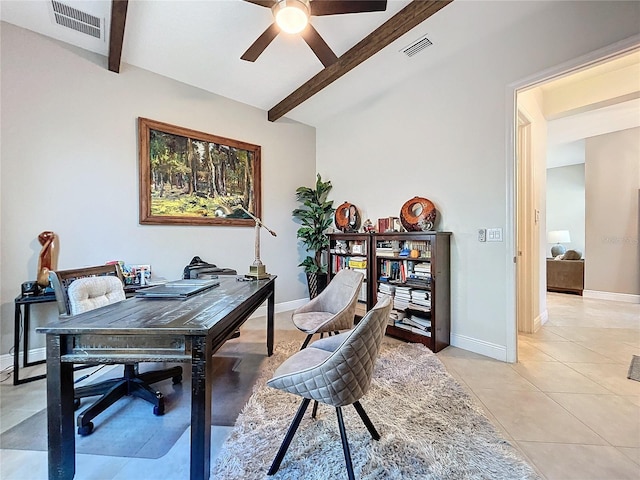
(36, 354)
(280, 307)
(616, 297)
(540, 320)
(488, 349)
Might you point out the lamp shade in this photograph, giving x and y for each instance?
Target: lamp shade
(558, 236)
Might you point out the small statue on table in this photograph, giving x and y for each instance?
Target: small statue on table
(48, 259)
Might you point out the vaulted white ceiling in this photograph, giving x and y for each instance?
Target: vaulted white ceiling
(200, 43)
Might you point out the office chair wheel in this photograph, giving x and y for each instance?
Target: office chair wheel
(177, 379)
(159, 409)
(85, 430)
(76, 403)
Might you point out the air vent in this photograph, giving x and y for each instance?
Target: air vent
(76, 19)
(417, 46)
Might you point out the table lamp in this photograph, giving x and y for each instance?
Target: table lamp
(558, 237)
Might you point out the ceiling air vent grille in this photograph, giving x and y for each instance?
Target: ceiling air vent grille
(417, 46)
(76, 19)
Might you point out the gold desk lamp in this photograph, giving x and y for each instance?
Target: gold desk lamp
(258, 271)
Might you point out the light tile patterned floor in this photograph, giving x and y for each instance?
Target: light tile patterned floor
(567, 405)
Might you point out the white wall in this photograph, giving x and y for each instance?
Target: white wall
(566, 205)
(442, 134)
(70, 164)
(612, 177)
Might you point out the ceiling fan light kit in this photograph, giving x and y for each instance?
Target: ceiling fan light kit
(292, 16)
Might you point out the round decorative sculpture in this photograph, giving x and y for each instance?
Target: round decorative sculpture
(347, 218)
(418, 214)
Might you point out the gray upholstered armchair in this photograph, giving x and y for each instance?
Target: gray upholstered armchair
(334, 309)
(338, 375)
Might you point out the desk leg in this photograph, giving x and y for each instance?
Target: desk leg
(61, 434)
(270, 316)
(201, 385)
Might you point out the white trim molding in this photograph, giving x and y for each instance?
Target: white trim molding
(492, 350)
(613, 296)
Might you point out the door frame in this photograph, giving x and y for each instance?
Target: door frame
(585, 61)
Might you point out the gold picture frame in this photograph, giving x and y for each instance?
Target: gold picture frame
(194, 178)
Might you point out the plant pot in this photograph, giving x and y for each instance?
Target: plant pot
(316, 282)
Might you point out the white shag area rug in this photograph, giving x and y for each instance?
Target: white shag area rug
(430, 429)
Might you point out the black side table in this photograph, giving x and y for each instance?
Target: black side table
(25, 302)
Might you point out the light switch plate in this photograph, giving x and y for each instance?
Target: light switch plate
(482, 235)
(494, 234)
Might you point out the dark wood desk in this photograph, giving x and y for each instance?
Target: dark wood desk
(149, 330)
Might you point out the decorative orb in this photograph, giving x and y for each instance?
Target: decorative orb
(418, 214)
(347, 218)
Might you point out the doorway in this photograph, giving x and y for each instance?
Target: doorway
(527, 205)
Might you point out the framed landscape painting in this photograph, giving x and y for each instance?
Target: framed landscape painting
(194, 178)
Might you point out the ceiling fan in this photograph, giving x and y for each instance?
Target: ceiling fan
(292, 16)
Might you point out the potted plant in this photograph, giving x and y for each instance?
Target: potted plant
(315, 215)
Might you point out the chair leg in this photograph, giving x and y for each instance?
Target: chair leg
(85, 426)
(315, 409)
(306, 341)
(345, 444)
(288, 437)
(365, 418)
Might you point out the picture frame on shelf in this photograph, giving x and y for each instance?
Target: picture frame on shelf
(189, 177)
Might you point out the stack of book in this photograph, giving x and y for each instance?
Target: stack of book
(395, 316)
(401, 298)
(362, 295)
(382, 251)
(421, 274)
(420, 300)
(416, 324)
(385, 290)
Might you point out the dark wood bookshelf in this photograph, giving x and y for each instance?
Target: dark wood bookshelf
(439, 287)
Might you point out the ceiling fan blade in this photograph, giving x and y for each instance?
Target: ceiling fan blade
(262, 3)
(263, 41)
(318, 45)
(336, 7)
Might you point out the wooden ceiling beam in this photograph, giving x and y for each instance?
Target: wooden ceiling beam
(403, 21)
(116, 33)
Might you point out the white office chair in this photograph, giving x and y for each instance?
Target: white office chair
(81, 290)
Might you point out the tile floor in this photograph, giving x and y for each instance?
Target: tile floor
(567, 404)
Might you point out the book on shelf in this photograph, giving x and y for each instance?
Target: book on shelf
(409, 328)
(362, 295)
(419, 307)
(358, 262)
(417, 321)
(394, 316)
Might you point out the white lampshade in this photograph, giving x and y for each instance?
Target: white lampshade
(292, 16)
(558, 236)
